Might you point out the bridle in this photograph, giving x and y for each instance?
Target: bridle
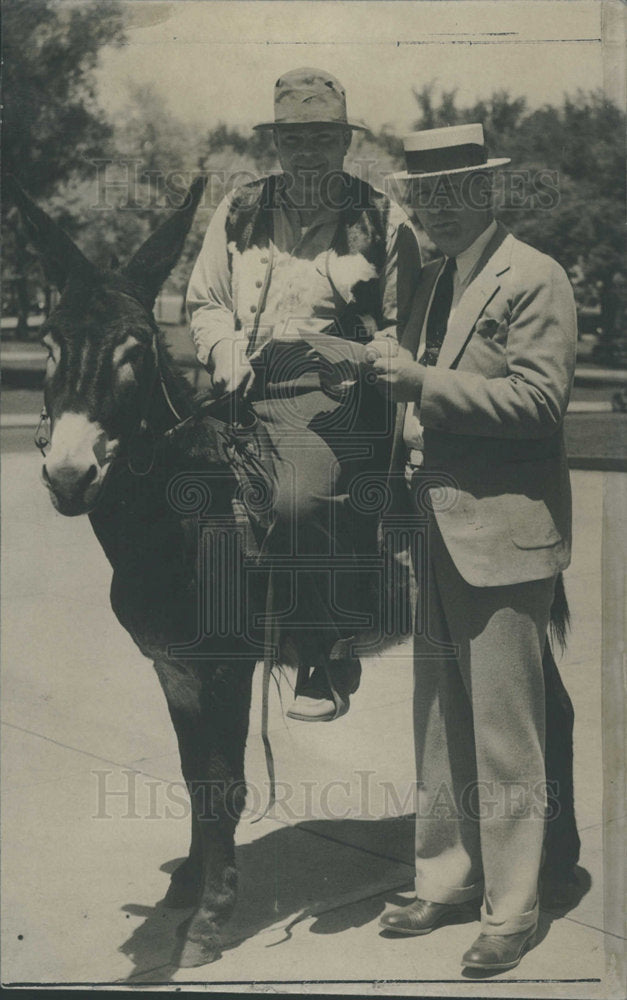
(203, 404)
(144, 429)
(43, 432)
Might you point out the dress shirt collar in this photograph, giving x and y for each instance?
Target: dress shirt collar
(468, 258)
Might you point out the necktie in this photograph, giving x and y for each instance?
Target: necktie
(439, 313)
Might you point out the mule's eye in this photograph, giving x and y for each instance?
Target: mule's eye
(127, 358)
(130, 351)
(134, 355)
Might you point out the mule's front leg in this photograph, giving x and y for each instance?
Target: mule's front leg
(209, 707)
(185, 887)
(217, 805)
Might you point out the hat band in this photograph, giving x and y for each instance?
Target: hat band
(320, 118)
(428, 161)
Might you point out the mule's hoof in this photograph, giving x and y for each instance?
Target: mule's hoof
(563, 891)
(199, 952)
(181, 895)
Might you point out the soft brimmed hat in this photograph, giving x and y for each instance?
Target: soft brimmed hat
(309, 96)
(456, 149)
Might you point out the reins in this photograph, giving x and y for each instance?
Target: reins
(144, 429)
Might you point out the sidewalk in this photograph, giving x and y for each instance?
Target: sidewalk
(83, 719)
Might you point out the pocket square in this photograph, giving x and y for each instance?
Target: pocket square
(488, 327)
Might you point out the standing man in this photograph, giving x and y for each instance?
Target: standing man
(297, 273)
(484, 376)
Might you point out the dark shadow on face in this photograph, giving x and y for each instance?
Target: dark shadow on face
(453, 209)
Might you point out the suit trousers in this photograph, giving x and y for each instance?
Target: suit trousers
(479, 723)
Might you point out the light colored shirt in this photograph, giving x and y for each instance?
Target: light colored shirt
(305, 279)
(466, 263)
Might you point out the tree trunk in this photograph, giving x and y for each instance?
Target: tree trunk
(21, 297)
(21, 262)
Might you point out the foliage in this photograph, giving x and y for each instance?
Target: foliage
(583, 140)
(53, 127)
(152, 161)
(57, 140)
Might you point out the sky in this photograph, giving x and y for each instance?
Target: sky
(216, 61)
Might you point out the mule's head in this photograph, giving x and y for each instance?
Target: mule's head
(101, 342)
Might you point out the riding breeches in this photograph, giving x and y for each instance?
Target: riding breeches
(322, 531)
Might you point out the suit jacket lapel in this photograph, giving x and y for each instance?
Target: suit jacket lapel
(413, 327)
(484, 283)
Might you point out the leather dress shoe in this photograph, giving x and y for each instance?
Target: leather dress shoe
(422, 917)
(498, 952)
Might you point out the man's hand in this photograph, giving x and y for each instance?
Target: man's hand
(229, 367)
(400, 376)
(382, 346)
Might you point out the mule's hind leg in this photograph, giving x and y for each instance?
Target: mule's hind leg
(182, 689)
(562, 842)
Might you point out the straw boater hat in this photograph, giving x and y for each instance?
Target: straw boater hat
(453, 150)
(309, 96)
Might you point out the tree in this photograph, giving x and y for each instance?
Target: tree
(53, 127)
(159, 155)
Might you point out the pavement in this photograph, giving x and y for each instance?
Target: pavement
(95, 816)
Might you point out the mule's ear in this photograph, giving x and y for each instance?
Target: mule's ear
(154, 260)
(59, 255)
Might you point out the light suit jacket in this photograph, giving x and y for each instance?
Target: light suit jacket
(492, 410)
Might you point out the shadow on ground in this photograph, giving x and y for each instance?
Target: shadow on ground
(339, 874)
(309, 870)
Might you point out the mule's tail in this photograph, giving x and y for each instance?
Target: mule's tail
(560, 615)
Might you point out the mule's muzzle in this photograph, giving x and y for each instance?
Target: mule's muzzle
(77, 465)
(73, 491)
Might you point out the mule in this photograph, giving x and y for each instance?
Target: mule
(126, 449)
(112, 393)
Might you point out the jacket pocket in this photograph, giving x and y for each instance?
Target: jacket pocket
(531, 523)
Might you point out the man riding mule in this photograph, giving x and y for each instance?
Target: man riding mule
(297, 273)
